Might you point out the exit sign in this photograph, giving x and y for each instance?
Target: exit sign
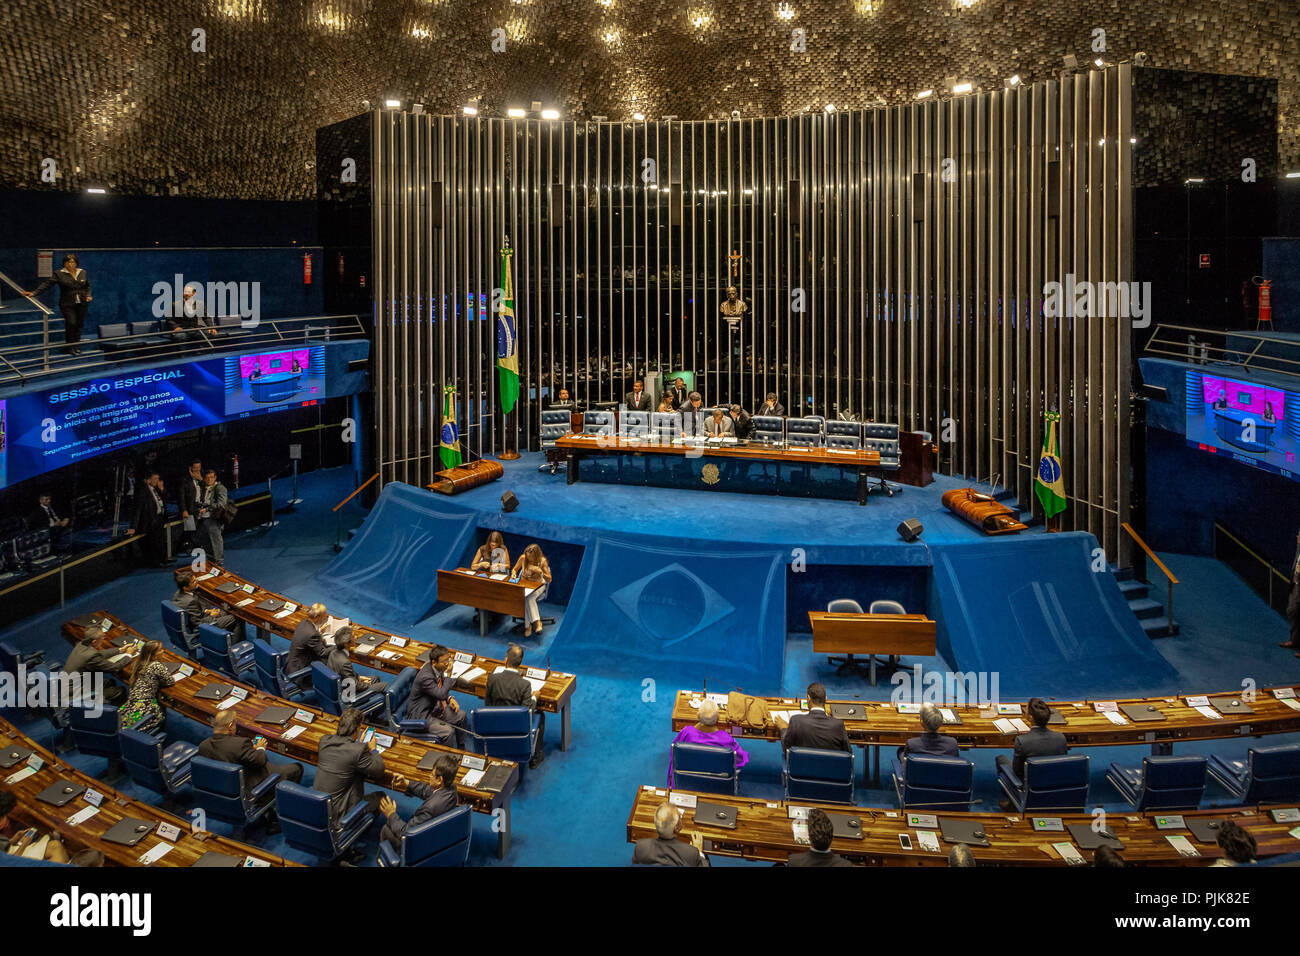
(1205, 260)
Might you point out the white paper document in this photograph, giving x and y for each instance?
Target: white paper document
(82, 815)
(686, 800)
(473, 674)
(156, 853)
(928, 840)
(1115, 718)
(1209, 712)
(294, 731)
(471, 778)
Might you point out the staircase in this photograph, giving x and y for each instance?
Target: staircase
(1149, 612)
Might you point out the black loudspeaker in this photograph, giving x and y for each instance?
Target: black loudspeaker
(509, 502)
(435, 205)
(910, 529)
(918, 197)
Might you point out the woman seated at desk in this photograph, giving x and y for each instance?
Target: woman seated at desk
(493, 556)
(533, 570)
(666, 403)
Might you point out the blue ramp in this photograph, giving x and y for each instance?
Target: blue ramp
(1033, 611)
(677, 614)
(388, 571)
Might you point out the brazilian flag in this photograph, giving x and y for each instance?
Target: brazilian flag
(507, 345)
(1048, 483)
(450, 450)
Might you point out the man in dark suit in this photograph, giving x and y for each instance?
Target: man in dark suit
(820, 834)
(665, 849)
(439, 797)
(509, 688)
(225, 745)
(816, 728)
(430, 699)
(46, 517)
(680, 394)
(307, 645)
(694, 416)
(191, 495)
(193, 609)
(771, 406)
(150, 521)
(1037, 742)
(339, 660)
(931, 743)
(344, 764)
(742, 423)
(86, 658)
(637, 400)
(1293, 602)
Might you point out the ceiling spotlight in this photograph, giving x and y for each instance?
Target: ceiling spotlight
(365, 104)
(638, 117)
(963, 87)
(1013, 81)
(830, 107)
(550, 114)
(599, 118)
(392, 104)
(1139, 59)
(749, 192)
(516, 112)
(1071, 61)
(417, 109)
(1132, 139)
(785, 11)
(1099, 63)
(668, 117)
(469, 110)
(1295, 175)
(924, 93)
(96, 190)
(1197, 179)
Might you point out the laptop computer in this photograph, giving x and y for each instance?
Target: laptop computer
(845, 711)
(13, 754)
(1231, 706)
(846, 828)
(1205, 831)
(129, 831)
(970, 832)
(715, 815)
(275, 715)
(61, 792)
(494, 778)
(1088, 839)
(227, 587)
(124, 639)
(172, 666)
(1141, 713)
(212, 691)
(213, 858)
(270, 604)
(426, 762)
(1056, 718)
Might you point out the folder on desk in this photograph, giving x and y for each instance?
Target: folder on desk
(495, 778)
(212, 691)
(715, 815)
(129, 831)
(213, 858)
(226, 587)
(846, 711)
(61, 792)
(1205, 831)
(1231, 706)
(12, 755)
(270, 604)
(1141, 713)
(846, 828)
(970, 832)
(275, 715)
(1089, 839)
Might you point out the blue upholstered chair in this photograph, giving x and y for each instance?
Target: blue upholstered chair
(1051, 783)
(822, 775)
(634, 424)
(934, 783)
(804, 432)
(507, 733)
(11, 658)
(271, 674)
(222, 651)
(95, 734)
(705, 767)
(442, 841)
(1267, 775)
(305, 821)
(598, 423)
(178, 630)
(329, 694)
(556, 423)
(769, 429)
(1161, 783)
(882, 437)
(110, 335)
(219, 789)
(399, 693)
(163, 768)
(844, 435)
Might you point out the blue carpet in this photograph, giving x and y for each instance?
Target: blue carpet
(573, 809)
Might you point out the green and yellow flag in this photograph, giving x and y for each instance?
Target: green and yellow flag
(449, 451)
(507, 347)
(1048, 484)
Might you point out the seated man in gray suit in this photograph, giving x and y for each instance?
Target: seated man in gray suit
(1037, 742)
(719, 425)
(193, 609)
(343, 765)
(931, 743)
(665, 849)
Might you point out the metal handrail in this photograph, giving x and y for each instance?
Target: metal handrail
(1177, 350)
(1169, 575)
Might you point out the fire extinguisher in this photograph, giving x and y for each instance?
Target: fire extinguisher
(1265, 300)
(234, 472)
(306, 268)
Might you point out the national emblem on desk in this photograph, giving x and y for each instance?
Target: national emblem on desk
(709, 474)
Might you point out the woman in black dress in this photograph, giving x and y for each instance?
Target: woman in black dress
(74, 294)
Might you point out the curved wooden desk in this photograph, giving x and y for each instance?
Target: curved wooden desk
(115, 807)
(555, 697)
(402, 758)
(763, 832)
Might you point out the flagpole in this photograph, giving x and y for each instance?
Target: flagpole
(510, 437)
